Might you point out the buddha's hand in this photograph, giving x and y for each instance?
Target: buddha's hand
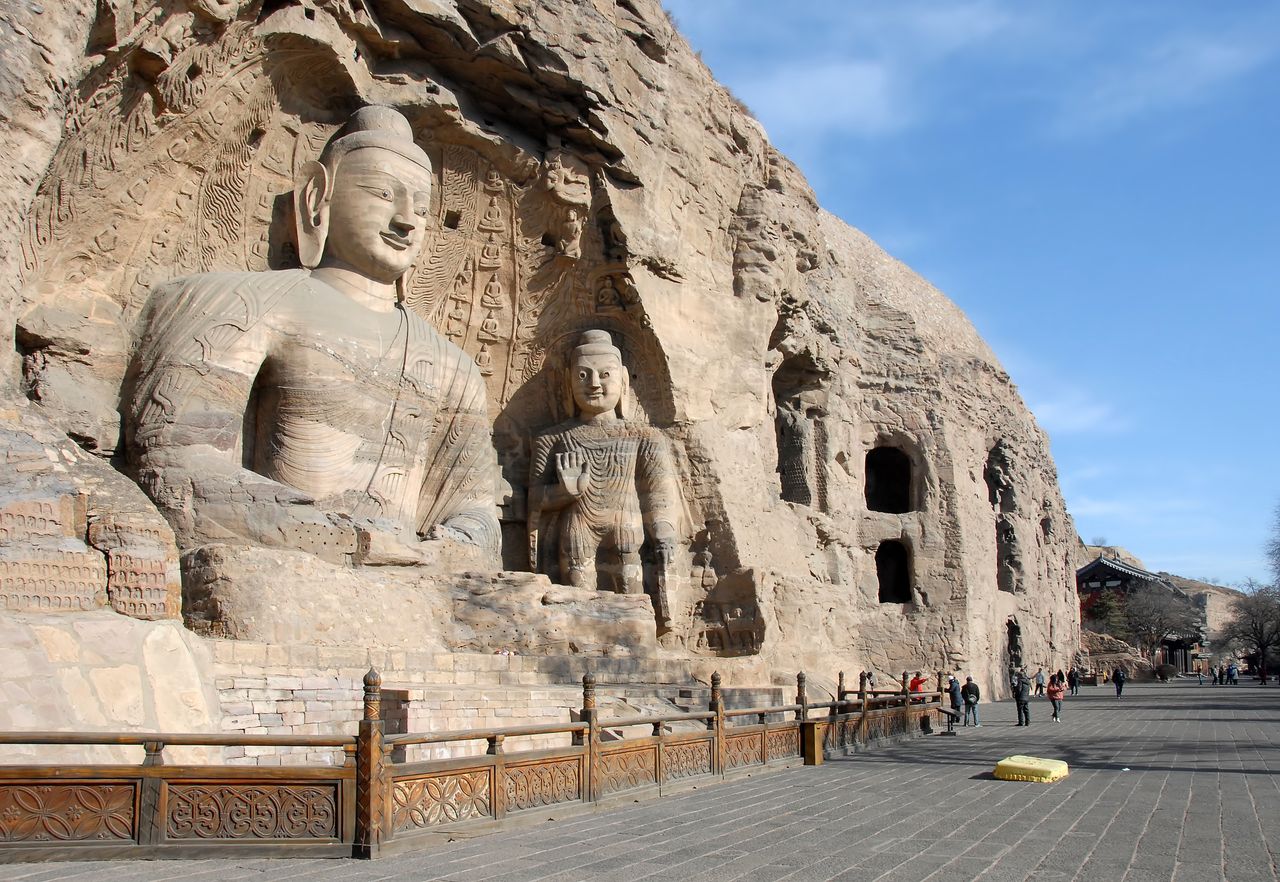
(574, 472)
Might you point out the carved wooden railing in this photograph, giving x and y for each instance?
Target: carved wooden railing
(374, 805)
(62, 812)
(431, 800)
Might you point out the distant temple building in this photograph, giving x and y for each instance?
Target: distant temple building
(1111, 575)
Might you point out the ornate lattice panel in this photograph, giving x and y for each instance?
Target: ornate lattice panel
(625, 769)
(440, 799)
(67, 812)
(783, 743)
(742, 750)
(542, 784)
(239, 811)
(842, 733)
(686, 759)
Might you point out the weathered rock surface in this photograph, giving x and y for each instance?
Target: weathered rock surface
(862, 485)
(1104, 654)
(106, 672)
(272, 596)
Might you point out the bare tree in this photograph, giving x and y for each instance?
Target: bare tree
(1273, 548)
(1156, 613)
(1254, 625)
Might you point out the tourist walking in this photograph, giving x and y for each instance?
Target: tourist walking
(1200, 674)
(1056, 690)
(1118, 676)
(1213, 676)
(1022, 698)
(971, 694)
(1039, 681)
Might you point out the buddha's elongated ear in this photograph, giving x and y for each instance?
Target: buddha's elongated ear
(624, 403)
(566, 386)
(311, 212)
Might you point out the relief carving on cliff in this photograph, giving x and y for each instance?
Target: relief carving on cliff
(194, 263)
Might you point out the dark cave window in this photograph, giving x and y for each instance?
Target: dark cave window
(893, 569)
(888, 480)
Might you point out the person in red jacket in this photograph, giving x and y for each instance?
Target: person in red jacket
(1056, 690)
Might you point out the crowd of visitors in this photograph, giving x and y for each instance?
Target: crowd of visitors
(1225, 675)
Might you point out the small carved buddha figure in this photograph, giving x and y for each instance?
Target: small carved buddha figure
(491, 253)
(492, 296)
(601, 485)
(309, 409)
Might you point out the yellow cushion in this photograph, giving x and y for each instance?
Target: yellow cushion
(1030, 768)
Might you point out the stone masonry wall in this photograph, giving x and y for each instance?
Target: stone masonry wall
(268, 689)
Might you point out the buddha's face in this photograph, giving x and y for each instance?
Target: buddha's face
(377, 213)
(597, 383)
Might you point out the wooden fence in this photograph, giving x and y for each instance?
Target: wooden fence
(375, 803)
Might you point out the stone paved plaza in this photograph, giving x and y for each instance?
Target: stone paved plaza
(1172, 782)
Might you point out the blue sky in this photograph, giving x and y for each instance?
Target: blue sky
(1097, 186)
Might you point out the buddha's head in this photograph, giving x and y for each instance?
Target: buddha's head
(597, 379)
(364, 205)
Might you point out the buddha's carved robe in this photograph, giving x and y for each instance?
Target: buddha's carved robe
(269, 407)
(633, 487)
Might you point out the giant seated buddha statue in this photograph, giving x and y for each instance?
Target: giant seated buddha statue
(309, 409)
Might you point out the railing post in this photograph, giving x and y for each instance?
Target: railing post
(839, 690)
(371, 773)
(150, 823)
(591, 717)
(810, 731)
(494, 749)
(939, 682)
(861, 737)
(716, 725)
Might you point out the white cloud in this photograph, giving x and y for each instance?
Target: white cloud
(1076, 411)
(1177, 72)
(848, 69)
(864, 69)
(846, 97)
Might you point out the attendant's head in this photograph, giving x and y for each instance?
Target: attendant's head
(597, 380)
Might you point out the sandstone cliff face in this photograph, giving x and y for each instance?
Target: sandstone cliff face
(865, 488)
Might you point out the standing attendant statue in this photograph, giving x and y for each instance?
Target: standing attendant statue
(309, 409)
(600, 485)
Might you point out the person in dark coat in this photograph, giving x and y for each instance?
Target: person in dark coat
(1073, 681)
(1119, 677)
(953, 690)
(1022, 698)
(971, 694)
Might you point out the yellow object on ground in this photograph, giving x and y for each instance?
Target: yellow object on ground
(1030, 768)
